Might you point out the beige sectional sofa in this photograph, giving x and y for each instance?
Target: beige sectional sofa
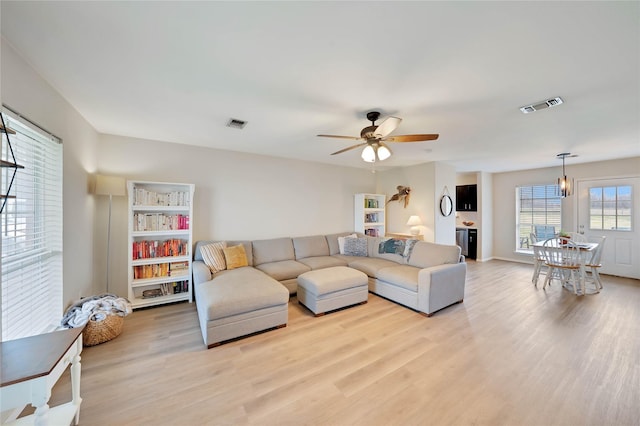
(242, 301)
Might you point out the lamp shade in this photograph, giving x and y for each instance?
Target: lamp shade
(383, 152)
(369, 154)
(110, 185)
(414, 221)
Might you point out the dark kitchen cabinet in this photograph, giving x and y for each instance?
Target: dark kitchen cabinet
(467, 198)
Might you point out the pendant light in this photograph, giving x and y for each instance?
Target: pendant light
(565, 185)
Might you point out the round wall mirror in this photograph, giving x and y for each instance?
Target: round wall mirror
(446, 205)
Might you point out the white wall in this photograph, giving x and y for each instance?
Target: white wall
(427, 182)
(485, 214)
(27, 93)
(237, 195)
(504, 191)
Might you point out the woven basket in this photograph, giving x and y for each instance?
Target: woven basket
(96, 332)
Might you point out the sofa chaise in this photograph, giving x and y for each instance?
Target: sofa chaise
(252, 298)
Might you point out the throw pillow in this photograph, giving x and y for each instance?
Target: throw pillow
(213, 256)
(235, 256)
(341, 242)
(391, 246)
(355, 246)
(408, 248)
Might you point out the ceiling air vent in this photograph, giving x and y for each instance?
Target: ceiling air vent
(541, 105)
(236, 124)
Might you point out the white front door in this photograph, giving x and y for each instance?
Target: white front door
(611, 208)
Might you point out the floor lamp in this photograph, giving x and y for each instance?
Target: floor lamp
(109, 185)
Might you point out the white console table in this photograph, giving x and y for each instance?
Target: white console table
(31, 367)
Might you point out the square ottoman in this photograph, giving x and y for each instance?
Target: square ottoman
(327, 289)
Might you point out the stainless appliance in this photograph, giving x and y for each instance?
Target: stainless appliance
(462, 239)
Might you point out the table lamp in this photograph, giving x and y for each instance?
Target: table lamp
(414, 222)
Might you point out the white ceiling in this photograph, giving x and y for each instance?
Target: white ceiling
(178, 71)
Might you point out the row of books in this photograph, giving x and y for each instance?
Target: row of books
(371, 218)
(166, 289)
(150, 249)
(158, 270)
(372, 232)
(143, 197)
(371, 203)
(159, 222)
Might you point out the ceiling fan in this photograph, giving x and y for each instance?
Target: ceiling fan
(375, 136)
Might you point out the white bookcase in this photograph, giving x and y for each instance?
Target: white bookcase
(160, 242)
(369, 212)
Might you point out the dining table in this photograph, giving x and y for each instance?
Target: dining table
(585, 251)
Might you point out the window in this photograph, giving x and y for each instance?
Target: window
(31, 233)
(610, 208)
(538, 210)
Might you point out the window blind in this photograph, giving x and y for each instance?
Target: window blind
(31, 258)
(536, 205)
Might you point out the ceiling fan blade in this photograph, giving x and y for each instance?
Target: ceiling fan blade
(387, 126)
(355, 138)
(347, 149)
(411, 138)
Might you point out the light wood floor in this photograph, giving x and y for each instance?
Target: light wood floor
(509, 355)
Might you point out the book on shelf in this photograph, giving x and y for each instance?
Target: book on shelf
(144, 197)
(166, 289)
(371, 203)
(371, 217)
(160, 222)
(372, 232)
(159, 270)
(167, 248)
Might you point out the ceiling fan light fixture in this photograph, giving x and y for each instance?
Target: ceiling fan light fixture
(383, 152)
(369, 154)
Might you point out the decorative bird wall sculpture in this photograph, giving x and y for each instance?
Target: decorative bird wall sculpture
(403, 195)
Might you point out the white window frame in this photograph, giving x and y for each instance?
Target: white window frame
(612, 207)
(31, 259)
(548, 199)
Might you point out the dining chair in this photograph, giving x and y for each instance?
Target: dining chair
(563, 261)
(543, 232)
(539, 266)
(592, 265)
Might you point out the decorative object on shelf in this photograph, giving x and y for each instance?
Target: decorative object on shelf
(109, 185)
(414, 222)
(375, 136)
(565, 185)
(156, 292)
(446, 204)
(403, 195)
(6, 131)
(467, 222)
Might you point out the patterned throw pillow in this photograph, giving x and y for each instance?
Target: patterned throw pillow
(408, 248)
(235, 256)
(213, 256)
(355, 246)
(341, 242)
(391, 246)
